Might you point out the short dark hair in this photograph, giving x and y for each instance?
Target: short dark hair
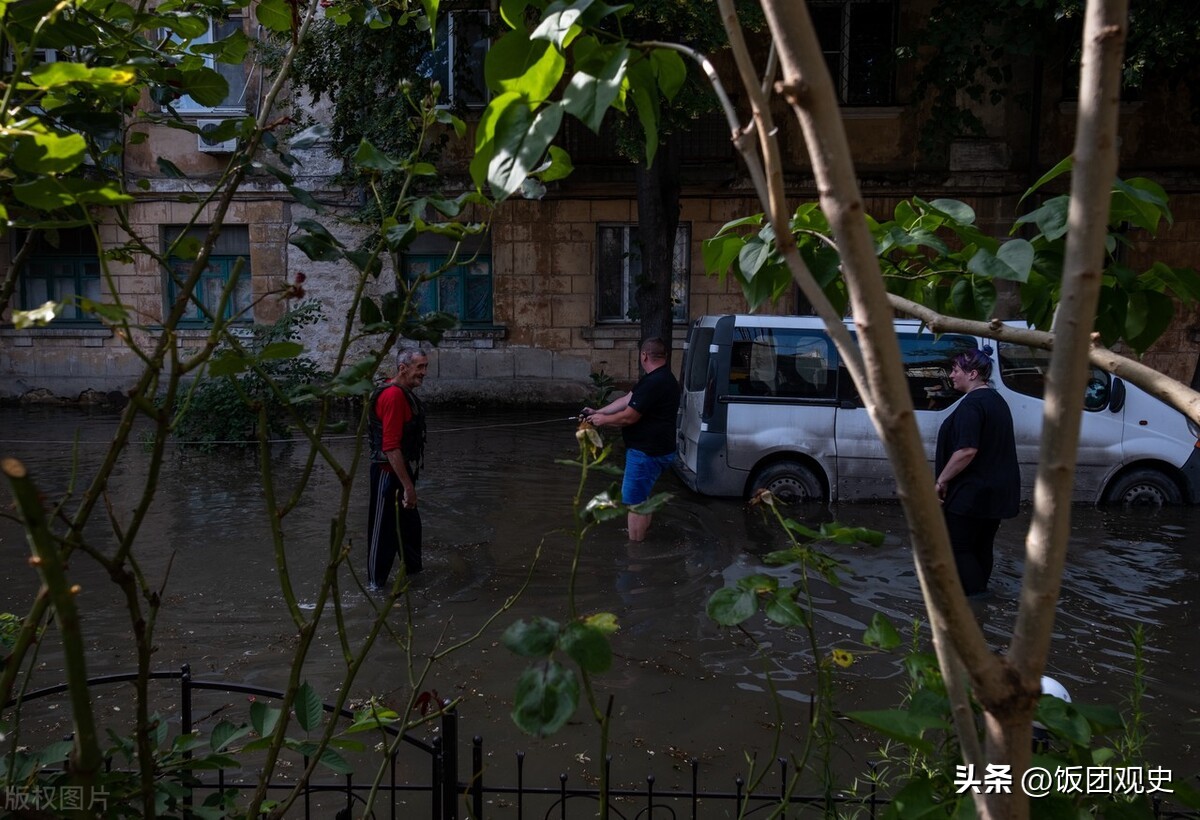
(655, 348)
(970, 360)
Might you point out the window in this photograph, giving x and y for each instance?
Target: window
(793, 364)
(457, 62)
(1023, 369)
(463, 290)
(927, 362)
(619, 267)
(857, 38)
(232, 246)
(63, 266)
(234, 73)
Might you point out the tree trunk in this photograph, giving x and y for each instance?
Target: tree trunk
(658, 221)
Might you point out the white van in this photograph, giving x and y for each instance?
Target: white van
(765, 404)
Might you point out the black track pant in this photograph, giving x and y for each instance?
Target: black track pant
(390, 528)
(971, 539)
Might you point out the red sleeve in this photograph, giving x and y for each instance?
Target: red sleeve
(393, 410)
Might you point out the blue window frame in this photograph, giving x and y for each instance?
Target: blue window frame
(463, 290)
(232, 246)
(61, 268)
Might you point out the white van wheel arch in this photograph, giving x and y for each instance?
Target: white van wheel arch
(790, 482)
(1143, 487)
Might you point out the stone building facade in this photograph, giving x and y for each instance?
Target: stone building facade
(550, 317)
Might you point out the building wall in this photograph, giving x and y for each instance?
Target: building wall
(545, 341)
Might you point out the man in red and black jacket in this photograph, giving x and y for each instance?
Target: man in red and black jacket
(396, 428)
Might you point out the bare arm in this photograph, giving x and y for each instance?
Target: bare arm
(957, 463)
(610, 408)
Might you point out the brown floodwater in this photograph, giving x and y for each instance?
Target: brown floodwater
(491, 493)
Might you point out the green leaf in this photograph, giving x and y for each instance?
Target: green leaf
(227, 363)
(104, 310)
(512, 12)
(532, 639)
(169, 169)
(333, 761)
(49, 153)
(517, 64)
(276, 15)
(670, 70)
(755, 255)
(881, 634)
(225, 733)
(1149, 315)
(521, 140)
(307, 707)
(729, 607)
(587, 646)
(1064, 721)
(1058, 170)
(1013, 261)
(973, 297)
(652, 504)
(640, 78)
(547, 695)
(901, 725)
(205, 86)
(783, 609)
(280, 350)
(55, 752)
(606, 622)
(960, 212)
(53, 75)
(558, 23)
(317, 247)
(557, 167)
(1051, 218)
(53, 193)
(369, 157)
(309, 137)
(264, 718)
(720, 252)
(368, 312)
(589, 96)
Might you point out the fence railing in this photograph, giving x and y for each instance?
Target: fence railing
(448, 796)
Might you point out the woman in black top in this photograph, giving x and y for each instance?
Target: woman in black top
(976, 467)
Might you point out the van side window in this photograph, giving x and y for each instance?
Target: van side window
(927, 362)
(784, 364)
(1023, 369)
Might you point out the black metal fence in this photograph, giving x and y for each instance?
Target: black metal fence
(445, 794)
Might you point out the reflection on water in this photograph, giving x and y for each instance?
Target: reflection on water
(490, 494)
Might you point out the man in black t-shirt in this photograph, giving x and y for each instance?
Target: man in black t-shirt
(646, 415)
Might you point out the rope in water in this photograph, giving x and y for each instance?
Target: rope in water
(473, 428)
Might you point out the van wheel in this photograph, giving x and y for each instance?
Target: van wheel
(1144, 488)
(789, 482)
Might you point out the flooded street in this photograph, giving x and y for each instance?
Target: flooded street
(490, 493)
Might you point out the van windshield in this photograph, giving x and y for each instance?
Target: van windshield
(774, 363)
(1023, 369)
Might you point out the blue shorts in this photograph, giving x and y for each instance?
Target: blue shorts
(641, 471)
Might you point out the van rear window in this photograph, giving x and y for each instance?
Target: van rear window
(773, 363)
(697, 359)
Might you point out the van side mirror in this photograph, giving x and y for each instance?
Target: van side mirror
(1117, 400)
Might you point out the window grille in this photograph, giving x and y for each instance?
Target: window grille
(619, 269)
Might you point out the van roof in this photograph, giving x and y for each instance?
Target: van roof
(799, 322)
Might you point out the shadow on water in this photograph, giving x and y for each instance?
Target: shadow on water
(491, 491)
